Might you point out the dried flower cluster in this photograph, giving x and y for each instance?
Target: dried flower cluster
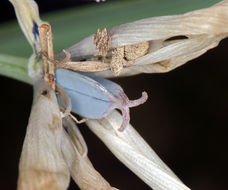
(54, 148)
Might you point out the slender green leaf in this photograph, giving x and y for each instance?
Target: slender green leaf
(14, 67)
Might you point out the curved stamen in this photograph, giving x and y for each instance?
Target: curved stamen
(123, 104)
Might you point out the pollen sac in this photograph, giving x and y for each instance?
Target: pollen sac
(93, 97)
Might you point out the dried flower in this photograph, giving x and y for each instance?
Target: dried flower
(54, 148)
(174, 40)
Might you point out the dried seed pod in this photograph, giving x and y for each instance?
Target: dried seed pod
(93, 97)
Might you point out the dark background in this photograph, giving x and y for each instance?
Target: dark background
(184, 120)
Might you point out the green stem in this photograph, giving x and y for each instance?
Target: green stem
(14, 67)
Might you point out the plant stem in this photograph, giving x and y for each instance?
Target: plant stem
(14, 67)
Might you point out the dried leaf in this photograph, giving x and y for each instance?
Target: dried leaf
(130, 148)
(75, 154)
(41, 164)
